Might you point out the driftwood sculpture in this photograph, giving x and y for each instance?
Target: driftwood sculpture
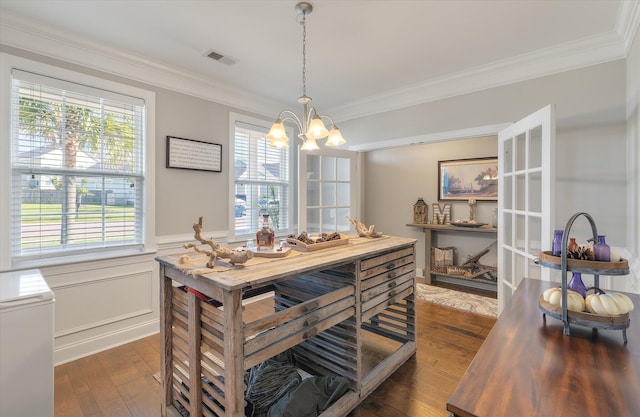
(217, 251)
(362, 229)
(477, 269)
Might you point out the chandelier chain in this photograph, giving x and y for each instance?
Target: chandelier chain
(304, 54)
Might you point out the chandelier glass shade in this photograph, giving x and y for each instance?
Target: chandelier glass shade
(310, 126)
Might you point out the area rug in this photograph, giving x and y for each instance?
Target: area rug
(457, 299)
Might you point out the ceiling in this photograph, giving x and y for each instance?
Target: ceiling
(359, 53)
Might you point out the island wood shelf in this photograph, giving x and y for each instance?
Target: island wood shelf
(336, 309)
(430, 236)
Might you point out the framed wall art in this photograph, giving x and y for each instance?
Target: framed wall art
(464, 179)
(193, 154)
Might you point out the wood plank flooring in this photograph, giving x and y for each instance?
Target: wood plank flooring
(119, 382)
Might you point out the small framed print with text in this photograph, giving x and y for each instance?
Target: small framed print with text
(193, 154)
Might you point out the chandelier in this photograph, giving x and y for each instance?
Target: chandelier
(311, 127)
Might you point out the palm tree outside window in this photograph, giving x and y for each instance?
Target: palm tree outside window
(78, 168)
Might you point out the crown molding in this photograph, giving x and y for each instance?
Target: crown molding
(628, 22)
(48, 41)
(565, 57)
(472, 132)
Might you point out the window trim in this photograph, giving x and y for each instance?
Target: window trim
(293, 181)
(9, 62)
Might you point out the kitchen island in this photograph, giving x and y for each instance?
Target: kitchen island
(329, 305)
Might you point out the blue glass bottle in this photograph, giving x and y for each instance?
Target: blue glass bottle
(556, 247)
(601, 250)
(577, 285)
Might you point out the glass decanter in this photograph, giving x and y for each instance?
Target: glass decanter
(265, 236)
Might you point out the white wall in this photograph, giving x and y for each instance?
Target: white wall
(633, 159)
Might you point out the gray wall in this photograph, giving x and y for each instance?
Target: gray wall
(184, 195)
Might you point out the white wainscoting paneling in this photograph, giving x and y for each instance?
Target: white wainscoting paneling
(103, 304)
(102, 301)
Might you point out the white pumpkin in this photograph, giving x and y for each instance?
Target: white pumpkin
(553, 296)
(609, 304)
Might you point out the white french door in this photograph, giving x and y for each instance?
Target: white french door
(526, 186)
(329, 186)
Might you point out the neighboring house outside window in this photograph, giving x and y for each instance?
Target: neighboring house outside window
(261, 180)
(79, 169)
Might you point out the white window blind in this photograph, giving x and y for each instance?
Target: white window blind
(77, 159)
(261, 181)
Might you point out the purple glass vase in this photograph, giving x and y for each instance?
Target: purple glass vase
(556, 247)
(601, 250)
(577, 285)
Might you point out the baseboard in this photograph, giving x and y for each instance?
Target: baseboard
(73, 351)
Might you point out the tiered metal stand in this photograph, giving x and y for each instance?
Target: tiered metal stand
(595, 268)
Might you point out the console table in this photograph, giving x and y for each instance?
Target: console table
(328, 305)
(528, 367)
(431, 238)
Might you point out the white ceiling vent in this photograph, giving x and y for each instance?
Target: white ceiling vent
(225, 59)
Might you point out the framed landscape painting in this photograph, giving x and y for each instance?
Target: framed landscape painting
(464, 179)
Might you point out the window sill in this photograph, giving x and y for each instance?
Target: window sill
(125, 256)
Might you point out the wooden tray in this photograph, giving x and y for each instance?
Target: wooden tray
(605, 268)
(585, 318)
(305, 247)
(467, 224)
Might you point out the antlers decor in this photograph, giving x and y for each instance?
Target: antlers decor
(217, 251)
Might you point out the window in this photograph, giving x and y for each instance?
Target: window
(262, 180)
(77, 168)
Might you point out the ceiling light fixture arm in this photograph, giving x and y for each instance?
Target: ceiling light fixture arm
(322, 116)
(286, 115)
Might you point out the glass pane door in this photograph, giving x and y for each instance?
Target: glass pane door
(327, 191)
(525, 169)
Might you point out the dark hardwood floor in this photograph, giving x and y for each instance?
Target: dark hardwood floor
(119, 382)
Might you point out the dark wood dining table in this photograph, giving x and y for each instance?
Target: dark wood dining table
(527, 367)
